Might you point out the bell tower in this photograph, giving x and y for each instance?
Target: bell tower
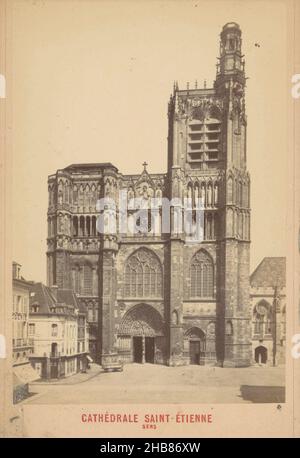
(207, 159)
(234, 319)
(230, 86)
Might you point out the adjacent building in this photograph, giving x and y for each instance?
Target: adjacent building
(268, 311)
(23, 372)
(58, 327)
(151, 295)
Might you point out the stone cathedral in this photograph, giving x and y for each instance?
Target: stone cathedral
(151, 297)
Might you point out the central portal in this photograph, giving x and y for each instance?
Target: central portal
(141, 336)
(143, 349)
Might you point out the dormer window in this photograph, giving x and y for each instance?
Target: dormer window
(35, 308)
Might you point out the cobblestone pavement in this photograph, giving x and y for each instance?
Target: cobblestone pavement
(160, 384)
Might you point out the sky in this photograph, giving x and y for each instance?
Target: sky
(91, 80)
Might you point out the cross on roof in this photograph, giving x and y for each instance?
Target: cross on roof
(144, 164)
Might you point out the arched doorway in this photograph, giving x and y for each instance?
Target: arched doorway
(141, 334)
(197, 344)
(261, 355)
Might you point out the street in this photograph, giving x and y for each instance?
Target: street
(150, 383)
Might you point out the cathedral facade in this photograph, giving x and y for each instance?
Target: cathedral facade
(152, 296)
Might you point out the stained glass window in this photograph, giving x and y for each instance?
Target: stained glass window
(143, 275)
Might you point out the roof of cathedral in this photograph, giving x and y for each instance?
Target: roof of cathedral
(270, 272)
(95, 165)
(47, 298)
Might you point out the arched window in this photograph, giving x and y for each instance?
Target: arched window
(87, 280)
(228, 328)
(202, 275)
(88, 226)
(93, 225)
(262, 317)
(258, 324)
(81, 226)
(143, 275)
(75, 226)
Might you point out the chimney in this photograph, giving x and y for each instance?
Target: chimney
(16, 271)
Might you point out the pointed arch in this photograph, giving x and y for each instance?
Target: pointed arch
(88, 226)
(195, 333)
(81, 226)
(94, 225)
(142, 320)
(262, 318)
(202, 275)
(143, 274)
(215, 113)
(75, 226)
(229, 328)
